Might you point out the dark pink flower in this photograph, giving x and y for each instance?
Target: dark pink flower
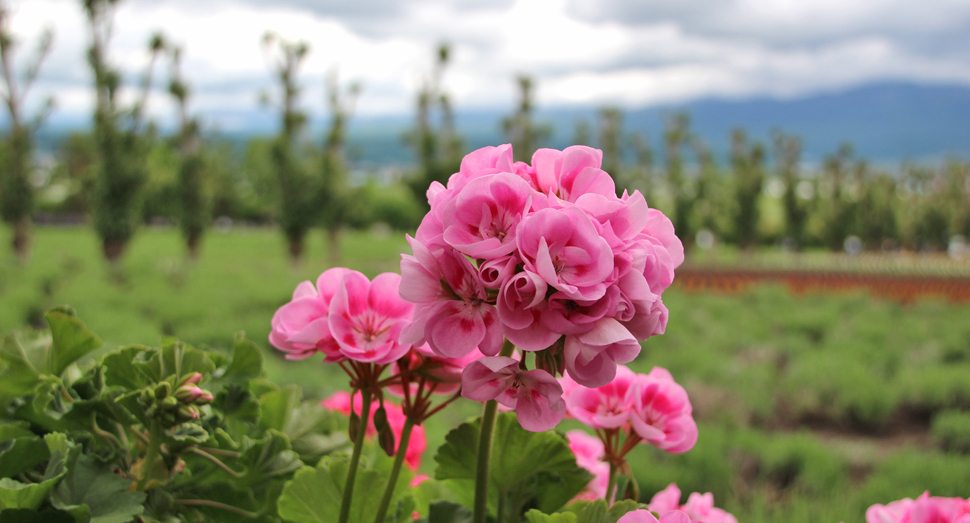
(661, 413)
(452, 313)
(535, 396)
(564, 247)
(482, 218)
(521, 305)
(366, 318)
(340, 402)
(591, 357)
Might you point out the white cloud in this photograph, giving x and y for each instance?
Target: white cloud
(632, 52)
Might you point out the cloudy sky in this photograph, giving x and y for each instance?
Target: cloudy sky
(628, 52)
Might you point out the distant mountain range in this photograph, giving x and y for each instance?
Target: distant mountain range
(886, 123)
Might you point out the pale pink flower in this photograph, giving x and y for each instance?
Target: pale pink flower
(300, 328)
(589, 455)
(366, 318)
(482, 218)
(452, 315)
(570, 173)
(644, 516)
(699, 507)
(564, 247)
(521, 304)
(894, 512)
(606, 407)
(661, 413)
(535, 395)
(925, 509)
(340, 402)
(496, 271)
(591, 357)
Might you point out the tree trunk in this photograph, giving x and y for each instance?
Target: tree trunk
(333, 245)
(21, 239)
(192, 243)
(296, 249)
(113, 248)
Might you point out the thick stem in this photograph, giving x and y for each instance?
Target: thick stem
(154, 442)
(355, 457)
(611, 484)
(485, 450)
(402, 450)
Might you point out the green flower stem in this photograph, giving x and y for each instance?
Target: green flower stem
(355, 457)
(485, 450)
(402, 450)
(611, 484)
(154, 444)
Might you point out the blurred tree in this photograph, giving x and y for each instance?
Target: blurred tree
(193, 203)
(958, 181)
(676, 135)
(706, 209)
(787, 154)
(642, 178)
(749, 178)
(297, 210)
(118, 135)
(875, 212)
(333, 184)
(524, 135)
(438, 147)
(581, 132)
(837, 209)
(610, 139)
(16, 195)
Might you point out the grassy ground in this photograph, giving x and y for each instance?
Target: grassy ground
(811, 408)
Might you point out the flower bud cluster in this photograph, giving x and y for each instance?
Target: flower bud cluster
(178, 406)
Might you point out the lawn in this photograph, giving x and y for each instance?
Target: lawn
(810, 407)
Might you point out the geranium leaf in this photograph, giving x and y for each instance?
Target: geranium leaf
(70, 340)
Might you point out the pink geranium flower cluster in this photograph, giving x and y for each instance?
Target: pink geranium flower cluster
(546, 256)
(699, 507)
(925, 509)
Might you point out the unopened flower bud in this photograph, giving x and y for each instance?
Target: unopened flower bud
(193, 394)
(189, 412)
(162, 390)
(169, 402)
(191, 379)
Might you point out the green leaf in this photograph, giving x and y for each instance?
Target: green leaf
(620, 508)
(237, 402)
(105, 495)
(537, 516)
(188, 433)
(314, 494)
(18, 454)
(525, 465)
(278, 406)
(247, 360)
(269, 458)
(315, 431)
(71, 341)
(14, 494)
(121, 371)
(24, 515)
(176, 359)
(447, 512)
(21, 374)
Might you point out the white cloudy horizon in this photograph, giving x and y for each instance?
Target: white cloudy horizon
(631, 53)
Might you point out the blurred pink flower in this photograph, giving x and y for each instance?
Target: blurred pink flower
(661, 412)
(644, 516)
(606, 407)
(589, 455)
(925, 509)
(699, 507)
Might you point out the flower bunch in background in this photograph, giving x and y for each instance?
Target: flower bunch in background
(547, 257)
(924, 509)
(699, 507)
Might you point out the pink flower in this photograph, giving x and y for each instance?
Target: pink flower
(699, 507)
(300, 328)
(570, 173)
(564, 247)
(481, 220)
(521, 305)
(589, 455)
(606, 407)
(340, 402)
(644, 516)
(661, 412)
(452, 314)
(366, 318)
(925, 509)
(535, 395)
(591, 357)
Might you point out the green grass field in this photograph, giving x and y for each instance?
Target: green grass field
(810, 408)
